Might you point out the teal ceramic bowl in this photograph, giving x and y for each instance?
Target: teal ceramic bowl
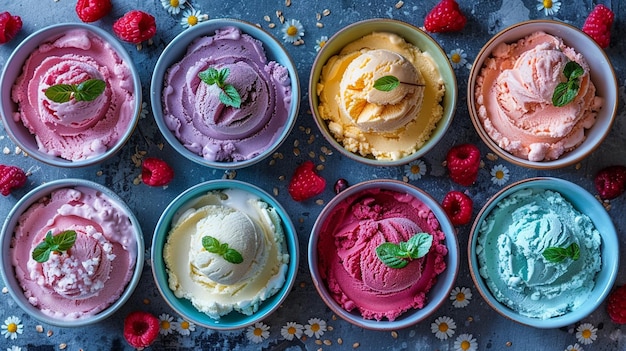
(7, 269)
(183, 306)
(177, 49)
(412, 35)
(586, 204)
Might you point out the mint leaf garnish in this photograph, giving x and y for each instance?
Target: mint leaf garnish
(229, 96)
(51, 243)
(386, 83)
(565, 92)
(399, 255)
(88, 90)
(213, 245)
(557, 254)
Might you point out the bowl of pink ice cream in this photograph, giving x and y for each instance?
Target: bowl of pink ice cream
(71, 95)
(383, 255)
(225, 94)
(72, 252)
(542, 94)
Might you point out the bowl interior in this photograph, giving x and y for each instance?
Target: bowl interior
(13, 69)
(412, 35)
(182, 306)
(585, 203)
(435, 297)
(8, 272)
(602, 75)
(177, 49)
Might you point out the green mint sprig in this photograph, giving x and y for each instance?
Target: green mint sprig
(229, 96)
(399, 255)
(565, 92)
(53, 243)
(557, 254)
(388, 83)
(213, 245)
(88, 90)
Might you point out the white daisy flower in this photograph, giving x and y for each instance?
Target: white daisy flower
(143, 113)
(11, 327)
(499, 174)
(574, 347)
(14, 348)
(315, 327)
(166, 324)
(586, 333)
(319, 43)
(173, 6)
(184, 327)
(291, 330)
(549, 7)
(292, 31)
(415, 170)
(258, 332)
(465, 342)
(458, 58)
(443, 327)
(460, 296)
(192, 17)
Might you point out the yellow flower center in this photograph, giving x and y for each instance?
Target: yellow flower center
(291, 330)
(184, 325)
(499, 174)
(547, 4)
(415, 169)
(292, 31)
(315, 327)
(192, 20)
(174, 3)
(165, 325)
(322, 43)
(258, 331)
(586, 333)
(456, 57)
(460, 297)
(465, 345)
(12, 328)
(443, 327)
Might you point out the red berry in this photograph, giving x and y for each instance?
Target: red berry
(598, 25)
(11, 177)
(141, 329)
(135, 26)
(463, 162)
(156, 172)
(610, 182)
(9, 26)
(616, 305)
(305, 183)
(92, 10)
(458, 206)
(445, 17)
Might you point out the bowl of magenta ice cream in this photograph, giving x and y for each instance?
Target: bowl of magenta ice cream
(543, 252)
(72, 252)
(542, 94)
(224, 254)
(71, 95)
(225, 93)
(382, 92)
(383, 255)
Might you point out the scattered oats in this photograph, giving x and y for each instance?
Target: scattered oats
(267, 18)
(482, 164)
(5, 290)
(322, 158)
(308, 130)
(271, 25)
(258, 25)
(6, 150)
(281, 177)
(296, 143)
(319, 201)
(303, 284)
(405, 179)
(330, 328)
(62, 346)
(491, 156)
(326, 12)
(333, 317)
(578, 165)
(444, 163)
(272, 162)
(18, 150)
(301, 128)
(399, 4)
(275, 155)
(230, 174)
(279, 13)
(340, 341)
(287, 3)
(319, 25)
(328, 342)
(99, 173)
(137, 180)
(326, 151)
(298, 42)
(311, 139)
(139, 47)
(318, 16)
(394, 334)
(318, 342)
(508, 344)
(312, 154)
(296, 151)
(146, 301)
(39, 328)
(319, 167)
(49, 333)
(356, 345)
(275, 191)
(470, 319)
(160, 146)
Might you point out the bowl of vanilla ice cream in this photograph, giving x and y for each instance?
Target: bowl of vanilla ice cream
(382, 92)
(224, 254)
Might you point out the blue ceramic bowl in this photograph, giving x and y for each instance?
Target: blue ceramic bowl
(436, 297)
(7, 270)
(585, 203)
(233, 320)
(176, 50)
(13, 69)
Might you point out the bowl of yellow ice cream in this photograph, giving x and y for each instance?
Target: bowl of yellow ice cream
(382, 92)
(224, 254)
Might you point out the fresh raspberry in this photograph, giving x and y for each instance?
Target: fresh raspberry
(92, 10)
(463, 162)
(458, 206)
(156, 172)
(141, 329)
(135, 26)
(9, 26)
(616, 305)
(305, 183)
(11, 177)
(610, 182)
(598, 25)
(445, 17)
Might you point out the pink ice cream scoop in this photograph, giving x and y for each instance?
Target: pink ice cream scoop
(355, 276)
(206, 126)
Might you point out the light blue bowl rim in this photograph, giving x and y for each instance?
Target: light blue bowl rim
(182, 306)
(445, 281)
(6, 268)
(177, 48)
(587, 204)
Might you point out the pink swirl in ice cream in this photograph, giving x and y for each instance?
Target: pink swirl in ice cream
(75, 130)
(206, 126)
(94, 272)
(355, 276)
(514, 98)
